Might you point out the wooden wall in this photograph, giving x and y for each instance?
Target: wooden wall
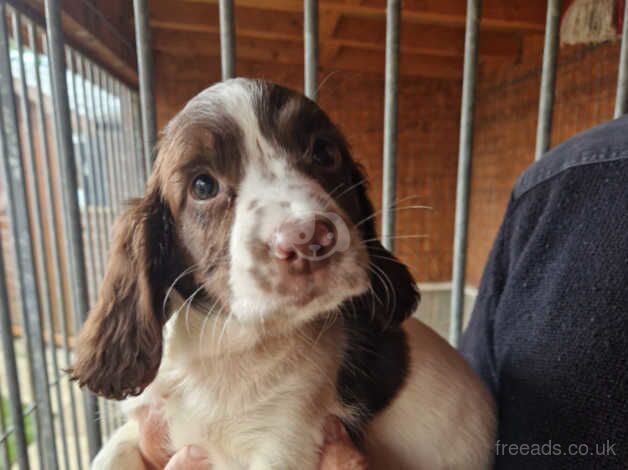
(507, 104)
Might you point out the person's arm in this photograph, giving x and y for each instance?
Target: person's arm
(477, 344)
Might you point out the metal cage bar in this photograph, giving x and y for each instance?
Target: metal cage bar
(53, 224)
(93, 248)
(621, 100)
(14, 182)
(72, 221)
(310, 47)
(227, 39)
(37, 227)
(5, 445)
(10, 367)
(145, 72)
(548, 79)
(389, 183)
(464, 169)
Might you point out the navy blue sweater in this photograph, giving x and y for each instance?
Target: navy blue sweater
(549, 332)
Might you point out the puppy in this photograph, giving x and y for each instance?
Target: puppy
(248, 290)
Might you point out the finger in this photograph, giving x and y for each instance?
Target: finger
(342, 456)
(154, 436)
(189, 458)
(338, 451)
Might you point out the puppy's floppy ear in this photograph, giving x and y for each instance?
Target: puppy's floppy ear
(119, 348)
(394, 295)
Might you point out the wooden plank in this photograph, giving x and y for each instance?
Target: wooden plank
(90, 31)
(409, 64)
(427, 39)
(194, 46)
(511, 15)
(336, 31)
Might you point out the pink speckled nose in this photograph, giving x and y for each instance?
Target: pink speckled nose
(303, 239)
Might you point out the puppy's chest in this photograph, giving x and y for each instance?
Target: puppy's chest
(231, 405)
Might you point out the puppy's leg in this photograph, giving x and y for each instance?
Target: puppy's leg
(121, 451)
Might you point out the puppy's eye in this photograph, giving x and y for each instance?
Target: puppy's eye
(204, 187)
(322, 154)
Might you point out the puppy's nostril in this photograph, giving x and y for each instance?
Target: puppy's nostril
(282, 247)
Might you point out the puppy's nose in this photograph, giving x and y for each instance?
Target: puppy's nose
(309, 239)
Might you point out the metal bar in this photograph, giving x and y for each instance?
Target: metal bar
(96, 155)
(10, 369)
(145, 71)
(14, 182)
(464, 168)
(114, 183)
(5, 448)
(97, 186)
(310, 43)
(51, 217)
(37, 228)
(99, 146)
(548, 79)
(137, 136)
(72, 218)
(393, 13)
(125, 120)
(227, 39)
(118, 151)
(88, 189)
(25, 322)
(92, 247)
(621, 100)
(121, 179)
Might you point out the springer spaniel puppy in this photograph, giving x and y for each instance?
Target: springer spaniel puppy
(248, 290)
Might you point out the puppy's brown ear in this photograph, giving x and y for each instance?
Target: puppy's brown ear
(119, 348)
(394, 295)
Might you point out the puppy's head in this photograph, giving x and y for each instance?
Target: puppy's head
(256, 208)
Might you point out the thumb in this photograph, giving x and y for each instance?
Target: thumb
(189, 458)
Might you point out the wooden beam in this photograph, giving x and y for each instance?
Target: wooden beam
(511, 15)
(361, 60)
(208, 44)
(198, 45)
(336, 31)
(427, 39)
(89, 30)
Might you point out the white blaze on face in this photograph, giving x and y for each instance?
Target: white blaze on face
(270, 193)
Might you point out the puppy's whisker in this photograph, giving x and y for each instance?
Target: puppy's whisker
(353, 186)
(188, 304)
(224, 329)
(371, 268)
(208, 315)
(392, 290)
(398, 237)
(325, 79)
(186, 271)
(394, 209)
